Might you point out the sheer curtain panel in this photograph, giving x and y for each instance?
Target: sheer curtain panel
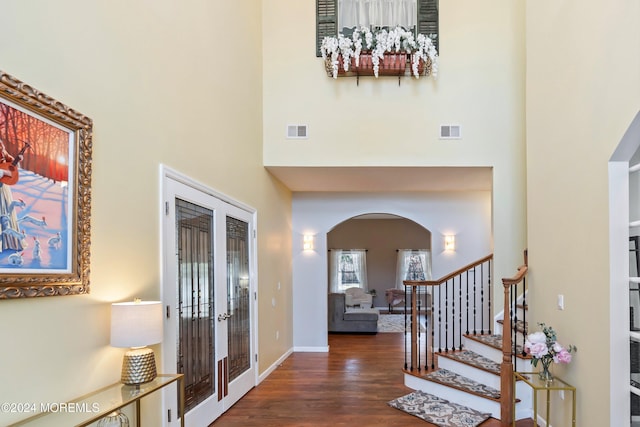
(347, 269)
(412, 264)
(377, 13)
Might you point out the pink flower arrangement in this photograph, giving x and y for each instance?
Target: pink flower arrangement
(544, 347)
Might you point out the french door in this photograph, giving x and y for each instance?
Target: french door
(209, 294)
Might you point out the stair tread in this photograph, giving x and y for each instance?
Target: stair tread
(451, 379)
(473, 359)
(520, 326)
(495, 341)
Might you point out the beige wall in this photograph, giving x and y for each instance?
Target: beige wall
(164, 84)
(150, 76)
(378, 123)
(582, 93)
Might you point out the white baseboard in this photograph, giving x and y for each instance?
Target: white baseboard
(311, 349)
(274, 366)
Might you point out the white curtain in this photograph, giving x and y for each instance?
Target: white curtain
(347, 269)
(377, 13)
(412, 264)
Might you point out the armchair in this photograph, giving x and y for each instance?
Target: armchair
(394, 297)
(357, 296)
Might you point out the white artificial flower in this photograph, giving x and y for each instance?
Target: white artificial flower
(420, 48)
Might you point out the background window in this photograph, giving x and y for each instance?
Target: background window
(420, 15)
(348, 269)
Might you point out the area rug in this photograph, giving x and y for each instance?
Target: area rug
(394, 323)
(438, 411)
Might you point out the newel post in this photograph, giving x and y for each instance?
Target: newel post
(506, 368)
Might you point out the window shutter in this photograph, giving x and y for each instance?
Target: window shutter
(428, 20)
(326, 21)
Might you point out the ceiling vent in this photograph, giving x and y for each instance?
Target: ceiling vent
(450, 132)
(297, 132)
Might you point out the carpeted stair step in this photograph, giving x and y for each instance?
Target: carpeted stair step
(459, 382)
(471, 365)
(462, 390)
(472, 359)
(520, 326)
(495, 341)
(490, 346)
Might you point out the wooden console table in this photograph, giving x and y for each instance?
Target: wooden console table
(91, 407)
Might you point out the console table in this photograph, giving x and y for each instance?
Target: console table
(91, 407)
(557, 384)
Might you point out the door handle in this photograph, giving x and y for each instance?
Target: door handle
(223, 316)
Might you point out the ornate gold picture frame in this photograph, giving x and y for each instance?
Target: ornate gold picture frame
(45, 194)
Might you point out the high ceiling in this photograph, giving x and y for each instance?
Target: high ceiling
(384, 179)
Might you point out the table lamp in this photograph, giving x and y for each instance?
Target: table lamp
(136, 325)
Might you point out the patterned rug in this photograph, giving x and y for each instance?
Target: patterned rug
(395, 323)
(438, 411)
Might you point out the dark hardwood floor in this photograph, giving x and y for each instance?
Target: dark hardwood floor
(350, 385)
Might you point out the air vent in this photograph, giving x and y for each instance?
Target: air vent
(450, 132)
(297, 132)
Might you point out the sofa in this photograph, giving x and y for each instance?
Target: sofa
(357, 296)
(350, 320)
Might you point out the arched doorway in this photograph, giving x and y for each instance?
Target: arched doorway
(467, 215)
(382, 236)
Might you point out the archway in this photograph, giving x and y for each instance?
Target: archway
(382, 235)
(467, 215)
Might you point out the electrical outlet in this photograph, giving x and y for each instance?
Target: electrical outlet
(560, 302)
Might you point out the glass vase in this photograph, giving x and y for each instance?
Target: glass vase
(545, 374)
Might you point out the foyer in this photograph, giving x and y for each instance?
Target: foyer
(350, 385)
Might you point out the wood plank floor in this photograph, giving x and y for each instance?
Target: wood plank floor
(350, 385)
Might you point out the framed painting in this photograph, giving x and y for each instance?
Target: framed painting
(45, 194)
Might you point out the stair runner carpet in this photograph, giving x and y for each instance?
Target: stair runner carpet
(519, 326)
(473, 359)
(494, 341)
(451, 379)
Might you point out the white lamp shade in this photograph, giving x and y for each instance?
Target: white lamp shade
(136, 324)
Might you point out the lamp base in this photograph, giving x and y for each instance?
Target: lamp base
(138, 366)
(114, 419)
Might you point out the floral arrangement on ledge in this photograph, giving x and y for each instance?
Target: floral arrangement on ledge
(545, 348)
(342, 50)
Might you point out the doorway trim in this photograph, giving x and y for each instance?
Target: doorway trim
(165, 174)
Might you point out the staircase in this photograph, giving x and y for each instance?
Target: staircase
(473, 368)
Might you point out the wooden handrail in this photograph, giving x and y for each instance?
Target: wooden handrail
(448, 276)
(414, 284)
(506, 368)
(522, 271)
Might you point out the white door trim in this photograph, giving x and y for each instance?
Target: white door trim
(166, 173)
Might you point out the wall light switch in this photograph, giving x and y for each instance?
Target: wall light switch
(560, 302)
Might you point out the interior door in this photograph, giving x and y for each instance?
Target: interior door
(238, 362)
(208, 273)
